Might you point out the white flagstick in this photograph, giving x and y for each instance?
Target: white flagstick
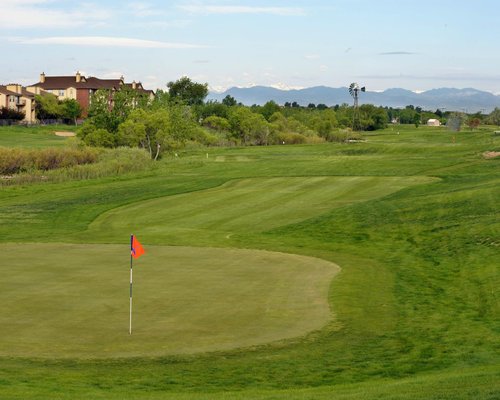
(130, 320)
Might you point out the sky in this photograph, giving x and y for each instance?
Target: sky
(415, 45)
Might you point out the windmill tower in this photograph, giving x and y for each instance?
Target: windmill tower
(354, 90)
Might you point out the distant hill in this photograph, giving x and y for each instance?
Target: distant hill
(469, 100)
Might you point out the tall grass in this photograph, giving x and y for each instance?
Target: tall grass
(60, 165)
(14, 161)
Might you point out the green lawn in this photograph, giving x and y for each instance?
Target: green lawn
(410, 215)
(34, 136)
(187, 300)
(243, 205)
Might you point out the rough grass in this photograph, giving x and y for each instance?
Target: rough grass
(416, 304)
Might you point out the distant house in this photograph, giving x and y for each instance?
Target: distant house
(19, 98)
(81, 88)
(433, 122)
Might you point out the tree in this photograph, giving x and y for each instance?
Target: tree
(161, 100)
(219, 124)
(184, 90)
(229, 101)
(269, 109)
(211, 108)
(108, 109)
(97, 137)
(249, 127)
(71, 109)
(494, 117)
(47, 107)
(157, 131)
(473, 122)
(416, 120)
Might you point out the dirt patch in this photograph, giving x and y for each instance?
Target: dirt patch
(491, 154)
(65, 134)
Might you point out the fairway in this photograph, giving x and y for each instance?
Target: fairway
(72, 300)
(360, 271)
(244, 205)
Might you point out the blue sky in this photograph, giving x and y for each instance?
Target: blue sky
(417, 45)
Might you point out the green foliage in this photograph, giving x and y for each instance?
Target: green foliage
(108, 109)
(10, 113)
(373, 118)
(98, 137)
(268, 109)
(217, 123)
(184, 90)
(229, 101)
(47, 106)
(71, 109)
(248, 127)
(494, 117)
(210, 108)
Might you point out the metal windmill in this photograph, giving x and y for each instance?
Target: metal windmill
(354, 90)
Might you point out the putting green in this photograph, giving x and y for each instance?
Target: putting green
(244, 205)
(72, 300)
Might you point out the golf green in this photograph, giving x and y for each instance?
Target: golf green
(72, 300)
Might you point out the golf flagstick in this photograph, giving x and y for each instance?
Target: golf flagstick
(131, 252)
(136, 250)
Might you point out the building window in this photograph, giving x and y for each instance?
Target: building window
(61, 92)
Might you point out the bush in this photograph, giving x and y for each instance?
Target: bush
(100, 138)
(291, 138)
(8, 113)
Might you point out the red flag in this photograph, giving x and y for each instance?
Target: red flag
(136, 249)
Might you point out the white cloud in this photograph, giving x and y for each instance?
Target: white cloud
(311, 56)
(141, 9)
(214, 9)
(22, 14)
(105, 41)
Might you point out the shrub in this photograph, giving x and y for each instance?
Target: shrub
(8, 113)
(291, 138)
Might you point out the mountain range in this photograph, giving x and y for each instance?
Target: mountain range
(446, 99)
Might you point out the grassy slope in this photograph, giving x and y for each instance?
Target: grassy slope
(416, 298)
(34, 137)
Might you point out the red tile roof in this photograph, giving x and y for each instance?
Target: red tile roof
(64, 82)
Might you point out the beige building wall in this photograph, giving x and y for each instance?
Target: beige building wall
(25, 104)
(3, 100)
(63, 94)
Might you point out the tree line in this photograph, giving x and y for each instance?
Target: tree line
(180, 114)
